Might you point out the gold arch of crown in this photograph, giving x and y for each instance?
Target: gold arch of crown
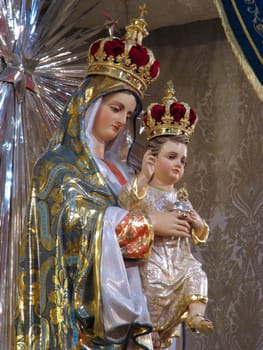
(167, 125)
(121, 67)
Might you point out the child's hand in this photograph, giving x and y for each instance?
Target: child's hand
(148, 166)
(195, 220)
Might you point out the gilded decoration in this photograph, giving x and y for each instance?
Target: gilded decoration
(224, 176)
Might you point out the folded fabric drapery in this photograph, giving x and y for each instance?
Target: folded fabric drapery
(243, 24)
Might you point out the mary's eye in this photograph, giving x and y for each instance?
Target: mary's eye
(115, 109)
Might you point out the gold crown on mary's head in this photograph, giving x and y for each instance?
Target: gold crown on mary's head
(125, 58)
(170, 117)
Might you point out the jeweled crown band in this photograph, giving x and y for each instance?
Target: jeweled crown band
(118, 73)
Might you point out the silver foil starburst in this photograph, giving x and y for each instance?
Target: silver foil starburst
(42, 60)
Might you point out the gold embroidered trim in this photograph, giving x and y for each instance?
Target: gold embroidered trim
(200, 237)
(134, 190)
(238, 52)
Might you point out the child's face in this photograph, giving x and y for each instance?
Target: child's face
(170, 162)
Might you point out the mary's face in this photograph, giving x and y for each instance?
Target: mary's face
(112, 115)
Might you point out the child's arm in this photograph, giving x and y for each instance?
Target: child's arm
(135, 190)
(200, 229)
(147, 170)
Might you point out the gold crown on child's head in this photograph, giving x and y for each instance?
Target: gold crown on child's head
(169, 117)
(125, 59)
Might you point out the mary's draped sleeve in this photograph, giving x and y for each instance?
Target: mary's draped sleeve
(135, 235)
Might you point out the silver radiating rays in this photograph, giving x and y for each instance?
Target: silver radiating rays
(42, 60)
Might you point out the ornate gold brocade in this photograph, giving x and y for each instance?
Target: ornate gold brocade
(135, 236)
(59, 292)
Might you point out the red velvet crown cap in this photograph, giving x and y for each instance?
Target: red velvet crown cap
(177, 111)
(137, 54)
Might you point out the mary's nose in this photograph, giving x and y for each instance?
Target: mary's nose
(123, 119)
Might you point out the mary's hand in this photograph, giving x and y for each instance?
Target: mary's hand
(169, 224)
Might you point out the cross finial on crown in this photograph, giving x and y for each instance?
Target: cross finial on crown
(170, 90)
(143, 10)
(136, 30)
(168, 99)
